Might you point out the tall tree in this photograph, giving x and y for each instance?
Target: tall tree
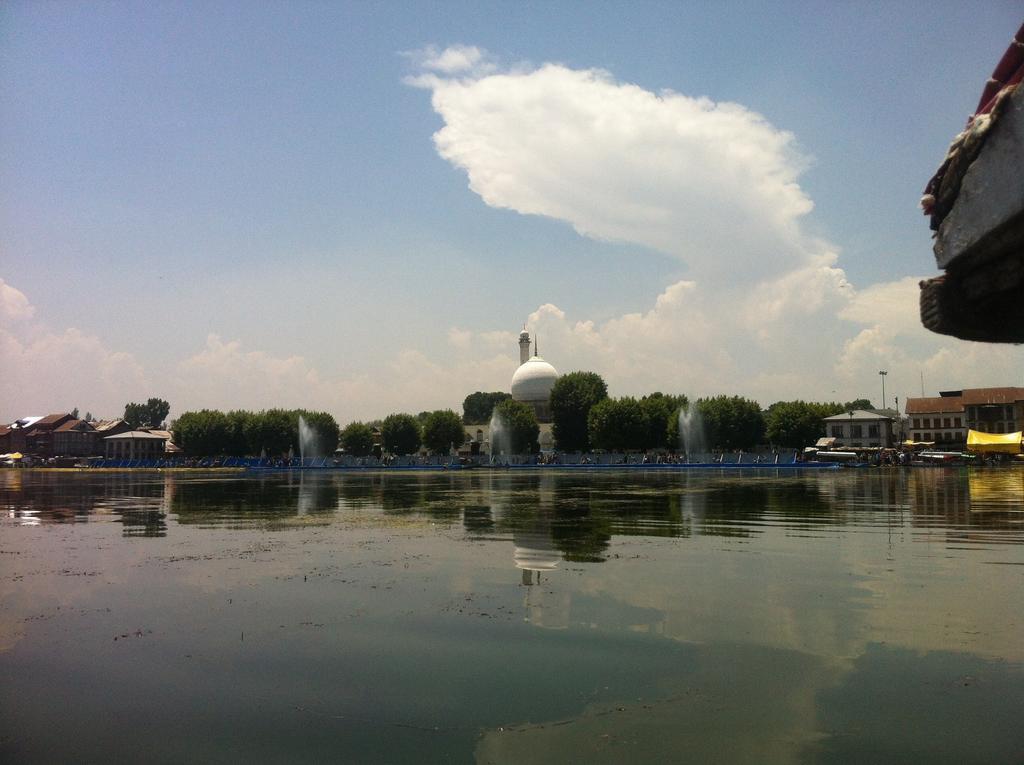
(401, 434)
(618, 424)
(202, 433)
(521, 425)
(272, 432)
(236, 443)
(357, 439)
(442, 429)
(477, 407)
(662, 412)
(571, 399)
(149, 415)
(732, 422)
(857, 403)
(796, 423)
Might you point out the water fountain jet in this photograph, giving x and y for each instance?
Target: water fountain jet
(307, 440)
(501, 439)
(692, 439)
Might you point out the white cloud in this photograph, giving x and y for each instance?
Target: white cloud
(892, 304)
(14, 306)
(451, 60)
(51, 372)
(713, 184)
(768, 311)
(223, 375)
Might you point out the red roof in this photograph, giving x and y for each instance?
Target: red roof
(967, 397)
(935, 404)
(74, 425)
(976, 396)
(52, 420)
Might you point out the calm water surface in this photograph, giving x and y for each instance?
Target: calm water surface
(513, 617)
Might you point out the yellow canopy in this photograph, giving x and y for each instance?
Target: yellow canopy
(1004, 443)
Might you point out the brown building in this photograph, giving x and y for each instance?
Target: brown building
(7, 439)
(14, 437)
(994, 410)
(39, 436)
(75, 438)
(946, 418)
(937, 419)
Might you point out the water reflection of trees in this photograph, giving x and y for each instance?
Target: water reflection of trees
(138, 501)
(240, 502)
(578, 513)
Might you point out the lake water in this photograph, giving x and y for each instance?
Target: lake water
(513, 617)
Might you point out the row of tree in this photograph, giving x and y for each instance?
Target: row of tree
(271, 433)
(585, 418)
(441, 430)
(404, 433)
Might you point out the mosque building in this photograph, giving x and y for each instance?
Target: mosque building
(533, 380)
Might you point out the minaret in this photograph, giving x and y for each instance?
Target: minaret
(524, 346)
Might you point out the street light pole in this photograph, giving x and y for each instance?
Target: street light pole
(882, 374)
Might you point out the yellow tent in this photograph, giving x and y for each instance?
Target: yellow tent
(988, 443)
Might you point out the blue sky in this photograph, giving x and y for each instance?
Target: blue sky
(226, 204)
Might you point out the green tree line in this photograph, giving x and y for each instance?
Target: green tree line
(400, 433)
(240, 433)
(584, 418)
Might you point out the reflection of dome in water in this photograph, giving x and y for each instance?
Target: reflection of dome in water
(533, 380)
(534, 551)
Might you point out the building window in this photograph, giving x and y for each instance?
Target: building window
(855, 431)
(945, 422)
(837, 431)
(917, 423)
(872, 431)
(926, 437)
(956, 422)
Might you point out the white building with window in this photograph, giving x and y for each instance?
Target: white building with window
(135, 445)
(862, 427)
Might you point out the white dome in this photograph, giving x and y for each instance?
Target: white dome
(533, 380)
